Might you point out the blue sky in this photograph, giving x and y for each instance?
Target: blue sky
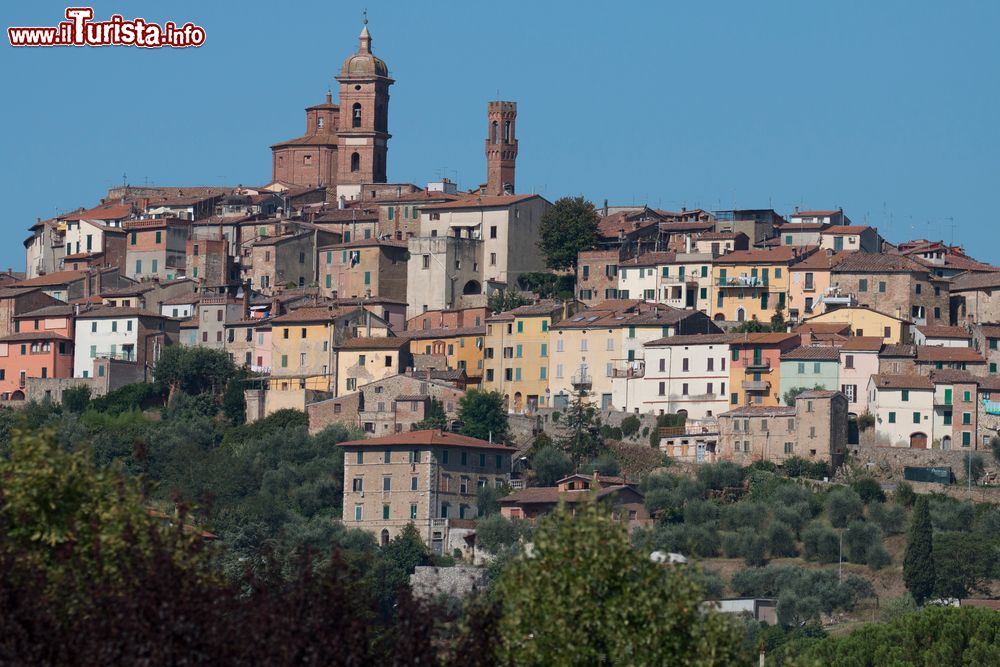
(888, 108)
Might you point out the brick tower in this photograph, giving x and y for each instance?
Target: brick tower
(501, 147)
(362, 135)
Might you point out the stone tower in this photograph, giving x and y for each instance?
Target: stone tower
(501, 147)
(363, 132)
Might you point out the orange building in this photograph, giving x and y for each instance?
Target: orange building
(40, 347)
(755, 367)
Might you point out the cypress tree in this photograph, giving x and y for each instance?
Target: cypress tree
(918, 562)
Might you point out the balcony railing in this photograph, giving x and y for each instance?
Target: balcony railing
(759, 364)
(582, 381)
(756, 385)
(743, 282)
(629, 369)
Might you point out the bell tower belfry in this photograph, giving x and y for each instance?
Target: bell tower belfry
(363, 132)
(501, 147)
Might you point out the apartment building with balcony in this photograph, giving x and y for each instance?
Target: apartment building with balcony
(132, 335)
(809, 287)
(753, 284)
(686, 374)
(755, 367)
(810, 367)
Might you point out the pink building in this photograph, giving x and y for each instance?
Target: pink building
(858, 362)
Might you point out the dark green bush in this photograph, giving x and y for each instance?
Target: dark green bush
(843, 505)
(869, 490)
(820, 543)
(781, 541)
(630, 426)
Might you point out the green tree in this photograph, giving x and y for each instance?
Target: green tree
(488, 499)
(75, 399)
(194, 369)
(395, 563)
(581, 437)
(778, 324)
(483, 415)
(434, 419)
(587, 597)
(869, 490)
(789, 396)
(843, 505)
(918, 561)
(234, 402)
(605, 464)
(566, 229)
(550, 465)
(496, 532)
(501, 301)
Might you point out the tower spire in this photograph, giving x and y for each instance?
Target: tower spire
(366, 37)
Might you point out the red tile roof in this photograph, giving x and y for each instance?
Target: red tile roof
(938, 331)
(50, 279)
(480, 202)
(103, 212)
(384, 343)
(430, 438)
(846, 229)
(812, 353)
(870, 262)
(888, 381)
(814, 214)
(935, 353)
(781, 254)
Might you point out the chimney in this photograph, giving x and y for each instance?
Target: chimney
(329, 97)
(605, 207)
(597, 477)
(246, 302)
(796, 209)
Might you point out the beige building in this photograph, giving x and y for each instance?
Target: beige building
(815, 429)
(363, 268)
(469, 245)
(427, 478)
(364, 360)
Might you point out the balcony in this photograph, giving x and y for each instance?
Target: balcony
(756, 385)
(742, 282)
(758, 365)
(582, 381)
(628, 369)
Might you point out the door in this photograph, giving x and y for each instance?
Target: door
(605, 401)
(918, 441)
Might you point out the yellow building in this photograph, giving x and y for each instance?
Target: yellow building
(750, 284)
(809, 285)
(462, 349)
(364, 360)
(516, 355)
(303, 341)
(755, 367)
(868, 322)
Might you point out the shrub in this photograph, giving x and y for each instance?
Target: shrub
(794, 466)
(719, 476)
(859, 537)
(746, 514)
(781, 541)
(866, 420)
(890, 518)
(795, 516)
(495, 532)
(904, 494)
(949, 514)
(605, 464)
(701, 512)
(748, 544)
(877, 557)
(645, 431)
(820, 543)
(541, 441)
(761, 464)
(869, 489)
(630, 426)
(550, 465)
(843, 505)
(75, 399)
(555, 417)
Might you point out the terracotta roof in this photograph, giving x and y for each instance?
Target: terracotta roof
(431, 438)
(649, 259)
(934, 353)
(412, 397)
(766, 338)
(938, 331)
(818, 393)
(812, 353)
(824, 327)
(83, 255)
(692, 339)
(316, 139)
(761, 411)
(423, 196)
(48, 311)
(719, 236)
(953, 376)
(17, 289)
(781, 254)
(57, 278)
(802, 227)
(967, 281)
(426, 334)
(312, 314)
(862, 344)
(814, 214)
(822, 259)
(347, 215)
(636, 314)
(100, 313)
(480, 202)
(870, 262)
(990, 330)
(367, 243)
(846, 229)
(182, 299)
(898, 350)
(103, 212)
(384, 343)
(33, 335)
(887, 381)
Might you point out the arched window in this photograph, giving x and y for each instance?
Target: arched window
(495, 132)
(356, 115)
(506, 131)
(355, 162)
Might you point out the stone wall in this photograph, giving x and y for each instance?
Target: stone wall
(428, 582)
(886, 464)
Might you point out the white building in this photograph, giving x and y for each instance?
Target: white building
(125, 334)
(944, 336)
(903, 406)
(687, 373)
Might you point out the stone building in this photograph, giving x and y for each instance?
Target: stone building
(156, 248)
(934, 357)
(364, 268)
(598, 276)
(625, 500)
(894, 284)
(975, 297)
(427, 478)
(815, 429)
(501, 148)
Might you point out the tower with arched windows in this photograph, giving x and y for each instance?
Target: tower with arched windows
(501, 147)
(345, 144)
(363, 136)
